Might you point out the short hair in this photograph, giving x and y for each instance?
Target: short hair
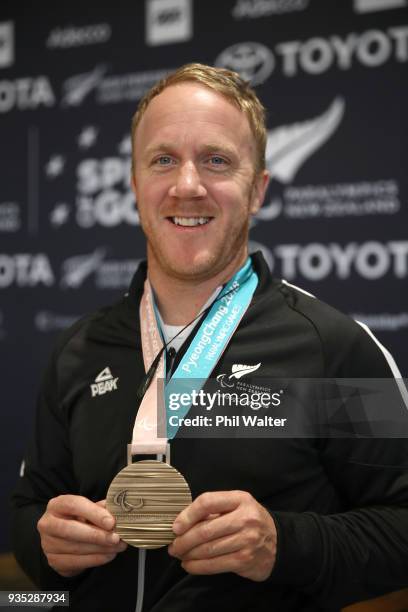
(225, 82)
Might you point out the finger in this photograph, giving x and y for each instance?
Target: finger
(69, 565)
(215, 548)
(206, 531)
(215, 502)
(234, 562)
(76, 531)
(101, 503)
(53, 545)
(78, 506)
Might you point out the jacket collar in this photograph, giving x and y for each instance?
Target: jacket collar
(120, 324)
(258, 261)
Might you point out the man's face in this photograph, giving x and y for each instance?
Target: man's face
(195, 182)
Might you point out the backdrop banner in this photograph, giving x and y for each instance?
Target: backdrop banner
(334, 78)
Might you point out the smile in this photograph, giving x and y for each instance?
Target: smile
(190, 221)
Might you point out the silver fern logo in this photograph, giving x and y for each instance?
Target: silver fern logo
(290, 146)
(237, 371)
(76, 269)
(76, 88)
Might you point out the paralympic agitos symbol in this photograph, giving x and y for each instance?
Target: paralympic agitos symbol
(120, 500)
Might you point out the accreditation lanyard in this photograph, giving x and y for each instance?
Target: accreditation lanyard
(201, 357)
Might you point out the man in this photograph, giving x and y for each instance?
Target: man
(275, 524)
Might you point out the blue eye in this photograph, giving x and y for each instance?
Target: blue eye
(217, 160)
(163, 160)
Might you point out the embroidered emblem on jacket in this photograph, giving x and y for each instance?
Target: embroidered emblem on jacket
(104, 383)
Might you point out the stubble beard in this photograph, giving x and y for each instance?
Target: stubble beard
(208, 264)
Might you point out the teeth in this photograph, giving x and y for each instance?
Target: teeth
(190, 221)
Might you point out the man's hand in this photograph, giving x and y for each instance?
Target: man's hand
(76, 533)
(225, 531)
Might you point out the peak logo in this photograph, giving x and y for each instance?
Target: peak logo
(168, 21)
(318, 55)
(25, 270)
(104, 383)
(6, 44)
(238, 371)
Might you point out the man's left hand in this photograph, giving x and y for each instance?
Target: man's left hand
(225, 531)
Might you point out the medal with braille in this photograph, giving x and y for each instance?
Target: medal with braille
(147, 496)
(145, 499)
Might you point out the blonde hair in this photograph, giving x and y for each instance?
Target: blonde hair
(225, 82)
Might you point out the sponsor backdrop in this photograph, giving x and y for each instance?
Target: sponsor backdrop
(333, 76)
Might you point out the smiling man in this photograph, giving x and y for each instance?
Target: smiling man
(196, 183)
(198, 176)
(290, 524)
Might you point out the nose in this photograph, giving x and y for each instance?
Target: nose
(187, 183)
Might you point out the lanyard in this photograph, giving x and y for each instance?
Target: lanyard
(203, 354)
(211, 339)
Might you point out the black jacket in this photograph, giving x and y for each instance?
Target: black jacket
(340, 505)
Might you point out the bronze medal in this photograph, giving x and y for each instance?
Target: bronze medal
(145, 498)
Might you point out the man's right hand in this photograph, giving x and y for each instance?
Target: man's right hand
(77, 533)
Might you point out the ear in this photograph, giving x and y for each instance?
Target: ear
(133, 181)
(259, 188)
(133, 185)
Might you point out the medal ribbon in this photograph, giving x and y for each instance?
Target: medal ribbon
(201, 357)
